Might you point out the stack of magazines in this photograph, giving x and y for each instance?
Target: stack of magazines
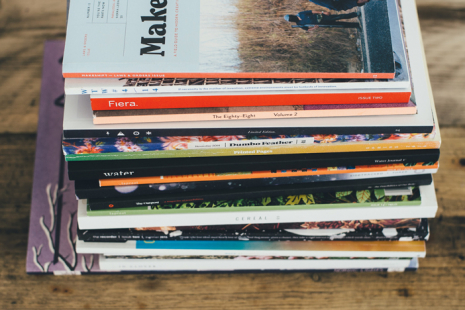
(214, 136)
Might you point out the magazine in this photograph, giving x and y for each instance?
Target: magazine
(119, 180)
(395, 249)
(224, 38)
(278, 214)
(93, 170)
(253, 263)
(235, 113)
(86, 189)
(399, 229)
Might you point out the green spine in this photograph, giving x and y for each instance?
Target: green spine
(336, 200)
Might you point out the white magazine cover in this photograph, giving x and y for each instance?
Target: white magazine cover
(224, 38)
(133, 263)
(127, 86)
(426, 209)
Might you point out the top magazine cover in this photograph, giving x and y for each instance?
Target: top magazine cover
(229, 38)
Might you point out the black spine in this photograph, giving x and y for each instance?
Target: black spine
(289, 189)
(91, 170)
(98, 133)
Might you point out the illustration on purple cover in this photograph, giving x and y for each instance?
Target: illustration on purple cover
(53, 223)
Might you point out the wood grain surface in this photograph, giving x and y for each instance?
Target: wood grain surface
(439, 283)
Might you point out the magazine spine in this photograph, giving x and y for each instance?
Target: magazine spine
(147, 210)
(427, 209)
(90, 188)
(128, 265)
(170, 102)
(88, 170)
(349, 172)
(268, 231)
(246, 217)
(104, 235)
(102, 120)
(243, 75)
(245, 131)
(408, 144)
(382, 249)
(116, 87)
(283, 190)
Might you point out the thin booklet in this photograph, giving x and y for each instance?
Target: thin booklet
(228, 39)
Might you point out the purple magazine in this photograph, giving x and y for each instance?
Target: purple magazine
(52, 228)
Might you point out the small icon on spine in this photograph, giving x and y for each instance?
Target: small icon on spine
(120, 134)
(136, 133)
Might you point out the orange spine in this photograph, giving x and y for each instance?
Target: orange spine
(170, 102)
(259, 174)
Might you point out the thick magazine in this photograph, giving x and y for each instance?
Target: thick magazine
(228, 216)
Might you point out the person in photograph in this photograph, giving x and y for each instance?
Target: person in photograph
(340, 5)
(311, 20)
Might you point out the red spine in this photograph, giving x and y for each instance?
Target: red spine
(165, 102)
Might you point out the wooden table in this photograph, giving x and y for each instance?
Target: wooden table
(439, 283)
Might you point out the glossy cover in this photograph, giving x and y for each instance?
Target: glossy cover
(223, 38)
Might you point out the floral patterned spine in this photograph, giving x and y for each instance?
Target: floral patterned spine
(126, 144)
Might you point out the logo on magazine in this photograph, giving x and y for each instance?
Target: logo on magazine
(153, 43)
(252, 219)
(115, 104)
(118, 173)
